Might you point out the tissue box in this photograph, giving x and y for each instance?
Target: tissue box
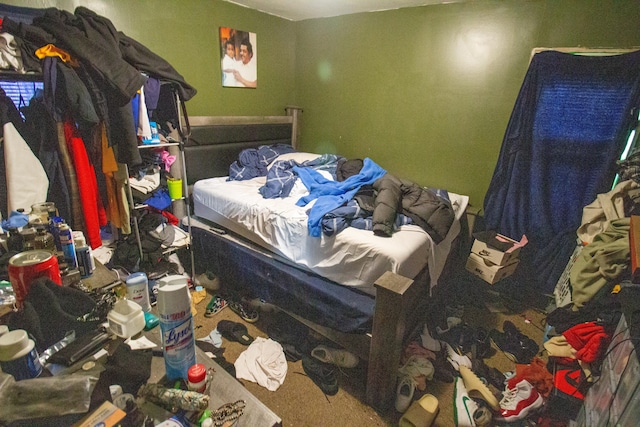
(488, 271)
(493, 255)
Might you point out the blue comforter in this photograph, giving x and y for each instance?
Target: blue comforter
(329, 195)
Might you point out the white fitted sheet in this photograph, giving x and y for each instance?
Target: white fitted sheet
(353, 257)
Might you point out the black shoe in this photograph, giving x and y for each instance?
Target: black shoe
(481, 345)
(516, 346)
(244, 310)
(322, 374)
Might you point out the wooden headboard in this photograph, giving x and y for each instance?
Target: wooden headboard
(214, 142)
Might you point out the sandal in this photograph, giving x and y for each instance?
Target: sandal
(234, 331)
(245, 311)
(215, 306)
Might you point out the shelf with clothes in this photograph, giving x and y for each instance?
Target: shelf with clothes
(165, 158)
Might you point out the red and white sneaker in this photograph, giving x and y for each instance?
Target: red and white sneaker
(519, 401)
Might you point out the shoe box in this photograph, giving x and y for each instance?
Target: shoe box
(491, 264)
(493, 255)
(489, 272)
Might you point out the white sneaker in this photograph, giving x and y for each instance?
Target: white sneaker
(456, 360)
(464, 406)
(404, 393)
(337, 357)
(518, 402)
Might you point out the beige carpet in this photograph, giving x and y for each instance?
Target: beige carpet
(299, 402)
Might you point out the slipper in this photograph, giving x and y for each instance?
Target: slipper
(234, 332)
(215, 306)
(421, 413)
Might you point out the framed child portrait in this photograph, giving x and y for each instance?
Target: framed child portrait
(239, 58)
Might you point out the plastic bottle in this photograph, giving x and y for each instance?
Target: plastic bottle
(176, 324)
(138, 290)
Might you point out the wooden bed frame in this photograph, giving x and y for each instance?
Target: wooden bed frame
(213, 144)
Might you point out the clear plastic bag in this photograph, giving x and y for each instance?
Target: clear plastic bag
(44, 397)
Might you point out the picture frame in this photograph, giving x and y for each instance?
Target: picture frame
(238, 58)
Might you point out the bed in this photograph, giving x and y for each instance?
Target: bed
(362, 291)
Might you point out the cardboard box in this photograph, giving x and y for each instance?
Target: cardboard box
(634, 247)
(495, 256)
(489, 272)
(106, 415)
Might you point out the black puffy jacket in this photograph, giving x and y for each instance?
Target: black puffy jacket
(429, 211)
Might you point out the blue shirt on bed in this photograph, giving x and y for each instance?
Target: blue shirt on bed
(332, 194)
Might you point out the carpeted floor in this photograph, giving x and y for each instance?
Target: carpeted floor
(299, 402)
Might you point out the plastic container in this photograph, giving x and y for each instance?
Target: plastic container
(176, 324)
(138, 290)
(126, 318)
(197, 378)
(18, 355)
(174, 186)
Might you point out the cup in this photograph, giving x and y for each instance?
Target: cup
(174, 186)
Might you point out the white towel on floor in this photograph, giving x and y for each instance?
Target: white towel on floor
(263, 362)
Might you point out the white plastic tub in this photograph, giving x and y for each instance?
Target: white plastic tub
(126, 318)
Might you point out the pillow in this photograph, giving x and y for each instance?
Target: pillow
(299, 157)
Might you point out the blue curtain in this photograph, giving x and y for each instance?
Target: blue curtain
(569, 125)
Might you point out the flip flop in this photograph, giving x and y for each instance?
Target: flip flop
(234, 332)
(421, 413)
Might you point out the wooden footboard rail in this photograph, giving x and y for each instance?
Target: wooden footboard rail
(396, 315)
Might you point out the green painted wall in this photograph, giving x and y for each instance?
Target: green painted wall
(185, 33)
(427, 92)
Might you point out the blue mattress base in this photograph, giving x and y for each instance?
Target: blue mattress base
(298, 291)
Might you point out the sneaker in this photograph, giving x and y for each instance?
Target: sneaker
(245, 311)
(516, 346)
(492, 375)
(483, 417)
(428, 341)
(464, 406)
(322, 374)
(519, 401)
(341, 358)
(404, 393)
(456, 360)
(215, 306)
(481, 345)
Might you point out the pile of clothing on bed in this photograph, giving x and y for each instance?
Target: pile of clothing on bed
(347, 192)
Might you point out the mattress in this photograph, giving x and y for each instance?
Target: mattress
(353, 257)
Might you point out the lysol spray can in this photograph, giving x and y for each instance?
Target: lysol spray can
(176, 324)
(138, 290)
(68, 247)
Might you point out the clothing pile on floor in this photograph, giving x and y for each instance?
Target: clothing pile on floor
(546, 386)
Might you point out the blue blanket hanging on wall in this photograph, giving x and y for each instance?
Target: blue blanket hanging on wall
(570, 124)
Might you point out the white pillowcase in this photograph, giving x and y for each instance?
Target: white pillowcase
(299, 157)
